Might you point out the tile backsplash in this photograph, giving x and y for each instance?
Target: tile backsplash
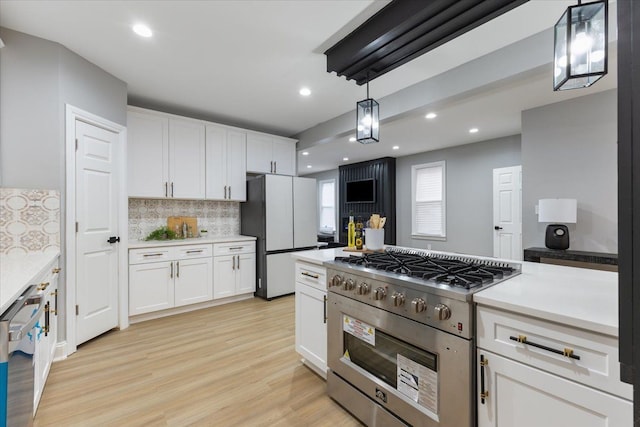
(29, 220)
(219, 218)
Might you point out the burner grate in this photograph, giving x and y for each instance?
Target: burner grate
(451, 270)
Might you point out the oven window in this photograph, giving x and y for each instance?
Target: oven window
(381, 359)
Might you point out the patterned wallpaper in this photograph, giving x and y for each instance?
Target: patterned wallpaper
(29, 220)
(219, 218)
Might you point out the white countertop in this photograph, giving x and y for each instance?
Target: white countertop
(134, 244)
(318, 256)
(578, 297)
(17, 272)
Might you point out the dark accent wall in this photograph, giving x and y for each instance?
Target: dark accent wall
(384, 172)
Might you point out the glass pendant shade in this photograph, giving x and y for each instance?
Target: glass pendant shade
(367, 121)
(581, 42)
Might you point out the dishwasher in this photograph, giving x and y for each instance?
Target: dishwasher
(17, 348)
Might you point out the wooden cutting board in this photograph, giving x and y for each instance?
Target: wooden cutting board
(177, 221)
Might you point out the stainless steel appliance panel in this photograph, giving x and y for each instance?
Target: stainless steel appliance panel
(17, 348)
(454, 365)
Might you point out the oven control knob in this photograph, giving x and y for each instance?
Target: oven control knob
(398, 299)
(379, 293)
(419, 305)
(335, 280)
(442, 312)
(363, 288)
(348, 284)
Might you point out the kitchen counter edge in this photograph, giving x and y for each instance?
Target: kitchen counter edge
(17, 272)
(137, 244)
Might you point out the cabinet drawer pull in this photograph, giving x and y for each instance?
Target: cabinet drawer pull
(566, 352)
(236, 248)
(199, 251)
(42, 286)
(313, 276)
(148, 255)
(56, 270)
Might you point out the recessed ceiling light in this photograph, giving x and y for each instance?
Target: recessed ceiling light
(308, 166)
(142, 30)
(473, 130)
(352, 139)
(431, 116)
(305, 91)
(305, 153)
(395, 147)
(345, 159)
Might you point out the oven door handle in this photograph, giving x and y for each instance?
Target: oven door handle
(18, 334)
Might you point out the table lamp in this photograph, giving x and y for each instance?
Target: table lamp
(557, 212)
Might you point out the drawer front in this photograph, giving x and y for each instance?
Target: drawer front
(138, 256)
(233, 248)
(537, 342)
(193, 251)
(312, 275)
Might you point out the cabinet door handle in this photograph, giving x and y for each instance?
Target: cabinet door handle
(166, 189)
(275, 167)
(42, 286)
(313, 276)
(225, 191)
(177, 268)
(238, 256)
(484, 394)
(233, 266)
(55, 295)
(229, 192)
(271, 166)
(566, 352)
(325, 309)
(172, 189)
(56, 270)
(171, 273)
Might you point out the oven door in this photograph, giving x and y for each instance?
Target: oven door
(419, 374)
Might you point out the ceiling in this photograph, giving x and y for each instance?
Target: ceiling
(243, 63)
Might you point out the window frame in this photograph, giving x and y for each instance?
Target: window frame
(320, 207)
(414, 171)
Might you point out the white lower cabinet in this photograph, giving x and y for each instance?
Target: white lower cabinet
(46, 332)
(234, 269)
(162, 278)
(523, 396)
(532, 372)
(311, 315)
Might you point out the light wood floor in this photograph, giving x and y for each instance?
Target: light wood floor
(231, 365)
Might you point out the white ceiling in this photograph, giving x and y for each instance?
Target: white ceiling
(243, 62)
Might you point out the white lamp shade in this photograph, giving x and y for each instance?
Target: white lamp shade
(557, 210)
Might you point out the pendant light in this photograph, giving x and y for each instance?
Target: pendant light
(580, 45)
(367, 120)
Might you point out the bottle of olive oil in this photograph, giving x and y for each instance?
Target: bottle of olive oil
(351, 233)
(359, 236)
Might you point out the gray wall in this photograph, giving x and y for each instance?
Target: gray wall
(37, 78)
(469, 193)
(321, 176)
(569, 150)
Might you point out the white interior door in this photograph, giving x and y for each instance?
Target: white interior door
(97, 221)
(507, 213)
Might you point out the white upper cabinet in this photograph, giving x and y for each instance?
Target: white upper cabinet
(166, 156)
(270, 154)
(148, 154)
(186, 159)
(226, 169)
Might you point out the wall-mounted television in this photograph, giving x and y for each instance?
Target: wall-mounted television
(361, 191)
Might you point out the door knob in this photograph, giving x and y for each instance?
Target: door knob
(497, 227)
(113, 239)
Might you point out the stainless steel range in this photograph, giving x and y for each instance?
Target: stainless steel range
(401, 334)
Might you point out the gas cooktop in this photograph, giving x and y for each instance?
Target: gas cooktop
(441, 270)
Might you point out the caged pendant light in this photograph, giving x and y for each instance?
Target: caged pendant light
(367, 120)
(580, 45)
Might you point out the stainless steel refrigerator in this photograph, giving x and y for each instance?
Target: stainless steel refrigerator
(281, 212)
